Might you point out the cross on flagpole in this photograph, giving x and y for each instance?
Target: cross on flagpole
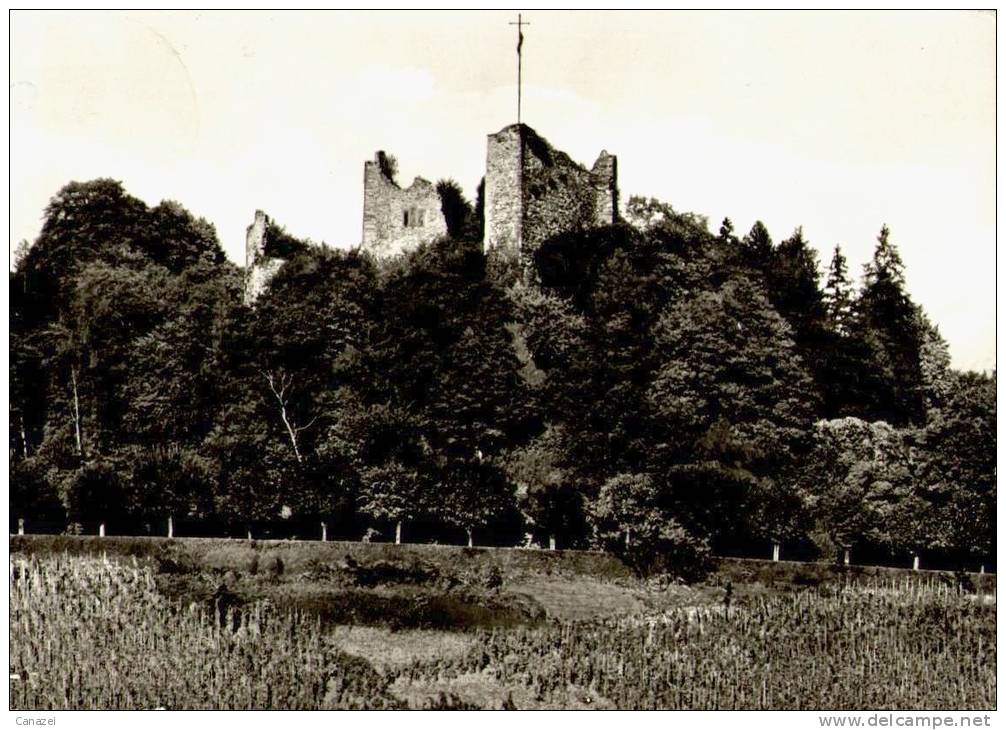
(520, 42)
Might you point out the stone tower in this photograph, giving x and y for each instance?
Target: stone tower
(259, 267)
(397, 219)
(534, 192)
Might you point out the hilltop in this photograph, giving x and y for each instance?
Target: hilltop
(648, 388)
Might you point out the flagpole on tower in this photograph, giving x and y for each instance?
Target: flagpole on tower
(520, 42)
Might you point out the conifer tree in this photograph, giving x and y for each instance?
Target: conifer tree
(758, 246)
(838, 293)
(794, 288)
(886, 270)
(887, 318)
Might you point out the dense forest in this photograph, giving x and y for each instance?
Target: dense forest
(651, 388)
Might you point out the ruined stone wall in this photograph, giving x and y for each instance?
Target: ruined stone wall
(604, 178)
(255, 239)
(534, 192)
(503, 199)
(259, 268)
(258, 279)
(397, 219)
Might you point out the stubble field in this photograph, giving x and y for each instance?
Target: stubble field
(92, 632)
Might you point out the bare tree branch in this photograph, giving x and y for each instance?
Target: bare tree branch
(280, 386)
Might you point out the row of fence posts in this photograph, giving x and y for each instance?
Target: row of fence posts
(171, 531)
(777, 551)
(776, 547)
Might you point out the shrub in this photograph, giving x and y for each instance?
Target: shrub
(670, 549)
(630, 522)
(384, 571)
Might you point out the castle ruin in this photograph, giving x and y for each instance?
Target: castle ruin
(396, 219)
(260, 268)
(532, 193)
(535, 192)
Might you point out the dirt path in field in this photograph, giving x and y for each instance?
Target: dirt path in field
(389, 650)
(581, 599)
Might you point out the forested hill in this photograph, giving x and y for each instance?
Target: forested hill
(660, 391)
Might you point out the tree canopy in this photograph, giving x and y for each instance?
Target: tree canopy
(648, 388)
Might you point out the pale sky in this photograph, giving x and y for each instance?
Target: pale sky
(836, 121)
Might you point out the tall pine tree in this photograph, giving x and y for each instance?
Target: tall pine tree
(887, 318)
(758, 246)
(838, 293)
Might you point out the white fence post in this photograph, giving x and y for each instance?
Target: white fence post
(324, 532)
(398, 532)
(20, 525)
(101, 530)
(775, 552)
(845, 557)
(915, 563)
(171, 527)
(551, 542)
